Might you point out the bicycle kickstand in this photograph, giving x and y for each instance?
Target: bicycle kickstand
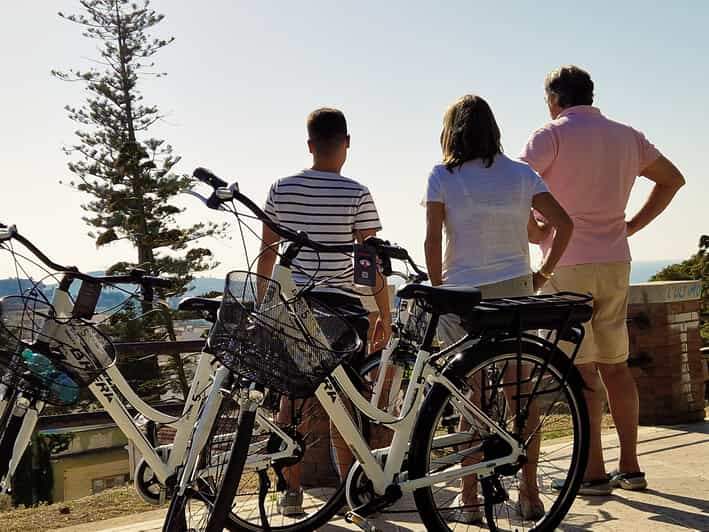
(264, 485)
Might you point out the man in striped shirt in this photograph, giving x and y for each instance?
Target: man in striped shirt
(330, 209)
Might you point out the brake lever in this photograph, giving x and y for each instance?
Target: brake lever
(213, 201)
(201, 198)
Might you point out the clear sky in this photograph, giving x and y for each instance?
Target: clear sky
(244, 75)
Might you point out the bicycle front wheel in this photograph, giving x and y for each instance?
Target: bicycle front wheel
(10, 426)
(192, 510)
(220, 511)
(546, 413)
(305, 490)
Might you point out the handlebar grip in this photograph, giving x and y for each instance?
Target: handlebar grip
(206, 176)
(396, 252)
(384, 248)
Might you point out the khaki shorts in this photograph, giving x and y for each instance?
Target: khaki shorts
(449, 329)
(606, 339)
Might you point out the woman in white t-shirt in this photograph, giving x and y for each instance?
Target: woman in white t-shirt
(484, 200)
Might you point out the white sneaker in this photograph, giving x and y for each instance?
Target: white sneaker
(290, 503)
(469, 515)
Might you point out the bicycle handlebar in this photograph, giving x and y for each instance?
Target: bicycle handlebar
(223, 193)
(136, 276)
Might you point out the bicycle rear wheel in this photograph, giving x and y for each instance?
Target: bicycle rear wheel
(557, 424)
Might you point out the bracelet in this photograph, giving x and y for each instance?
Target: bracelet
(544, 274)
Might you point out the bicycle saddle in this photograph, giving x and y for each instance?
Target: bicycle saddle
(439, 300)
(208, 304)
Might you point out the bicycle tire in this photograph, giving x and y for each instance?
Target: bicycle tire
(221, 508)
(202, 491)
(432, 501)
(335, 502)
(234, 522)
(175, 519)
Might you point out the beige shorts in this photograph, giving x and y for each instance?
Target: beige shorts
(606, 339)
(449, 329)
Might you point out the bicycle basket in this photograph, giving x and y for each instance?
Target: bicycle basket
(287, 346)
(48, 357)
(413, 320)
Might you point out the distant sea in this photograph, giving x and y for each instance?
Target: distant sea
(642, 270)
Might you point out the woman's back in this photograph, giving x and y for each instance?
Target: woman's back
(486, 215)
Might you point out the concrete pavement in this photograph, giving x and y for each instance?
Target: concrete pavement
(676, 460)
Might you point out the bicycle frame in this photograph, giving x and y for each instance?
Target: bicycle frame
(111, 387)
(339, 385)
(385, 363)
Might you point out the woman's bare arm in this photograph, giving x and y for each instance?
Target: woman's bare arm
(435, 213)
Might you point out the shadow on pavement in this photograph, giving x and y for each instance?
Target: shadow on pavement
(700, 504)
(669, 515)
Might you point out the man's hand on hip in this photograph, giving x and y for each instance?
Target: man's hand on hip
(630, 228)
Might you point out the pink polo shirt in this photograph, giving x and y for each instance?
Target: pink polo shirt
(590, 163)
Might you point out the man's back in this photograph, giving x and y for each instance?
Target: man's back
(330, 208)
(590, 164)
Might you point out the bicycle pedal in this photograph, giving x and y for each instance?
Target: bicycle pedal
(361, 522)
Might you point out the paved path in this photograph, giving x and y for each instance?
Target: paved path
(676, 460)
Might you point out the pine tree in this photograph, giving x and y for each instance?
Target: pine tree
(127, 173)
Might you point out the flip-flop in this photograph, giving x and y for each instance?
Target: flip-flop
(600, 486)
(628, 481)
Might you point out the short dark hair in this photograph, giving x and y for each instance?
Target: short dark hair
(571, 85)
(469, 132)
(326, 128)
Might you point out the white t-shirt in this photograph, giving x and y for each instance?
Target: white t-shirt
(486, 214)
(329, 208)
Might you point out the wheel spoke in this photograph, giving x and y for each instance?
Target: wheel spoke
(554, 424)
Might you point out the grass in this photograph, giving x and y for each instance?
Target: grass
(560, 426)
(106, 505)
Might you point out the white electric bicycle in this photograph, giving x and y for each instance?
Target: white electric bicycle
(50, 351)
(501, 405)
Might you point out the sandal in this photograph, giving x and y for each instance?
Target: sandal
(628, 481)
(600, 486)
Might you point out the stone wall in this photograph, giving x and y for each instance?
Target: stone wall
(664, 351)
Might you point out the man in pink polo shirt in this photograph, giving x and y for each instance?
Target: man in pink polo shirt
(590, 164)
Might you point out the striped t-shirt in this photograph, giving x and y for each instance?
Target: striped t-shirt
(329, 208)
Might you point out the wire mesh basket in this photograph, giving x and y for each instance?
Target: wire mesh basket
(413, 321)
(287, 346)
(49, 357)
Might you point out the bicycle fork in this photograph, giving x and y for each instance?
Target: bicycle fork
(27, 417)
(202, 429)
